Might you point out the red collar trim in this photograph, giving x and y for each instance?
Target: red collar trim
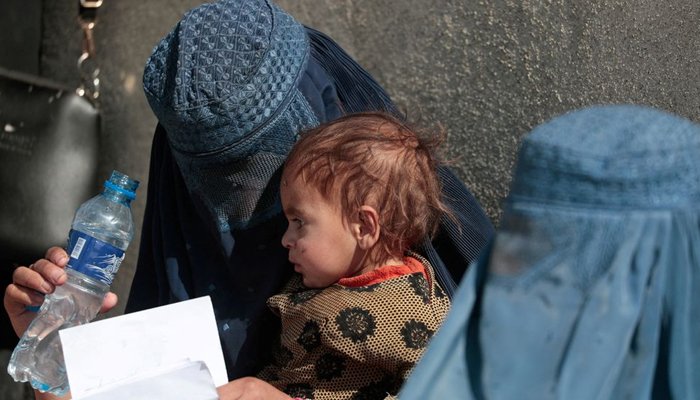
(381, 274)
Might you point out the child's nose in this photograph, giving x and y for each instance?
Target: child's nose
(287, 240)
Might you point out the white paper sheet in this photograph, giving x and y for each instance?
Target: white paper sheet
(190, 380)
(104, 352)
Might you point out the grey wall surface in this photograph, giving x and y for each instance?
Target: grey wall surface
(488, 71)
(491, 70)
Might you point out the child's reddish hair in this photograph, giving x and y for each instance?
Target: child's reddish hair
(378, 160)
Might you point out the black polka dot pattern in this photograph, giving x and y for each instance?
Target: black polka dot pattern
(343, 343)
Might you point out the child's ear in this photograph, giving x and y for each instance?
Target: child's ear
(366, 228)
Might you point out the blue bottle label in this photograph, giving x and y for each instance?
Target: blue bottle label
(93, 257)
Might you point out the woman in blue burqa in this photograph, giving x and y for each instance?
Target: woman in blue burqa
(591, 288)
(232, 84)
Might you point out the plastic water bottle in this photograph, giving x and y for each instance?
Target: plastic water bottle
(100, 233)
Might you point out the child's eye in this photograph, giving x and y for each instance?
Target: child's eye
(299, 222)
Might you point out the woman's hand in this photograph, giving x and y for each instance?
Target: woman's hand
(250, 388)
(30, 283)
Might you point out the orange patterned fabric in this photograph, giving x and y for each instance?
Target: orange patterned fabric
(354, 342)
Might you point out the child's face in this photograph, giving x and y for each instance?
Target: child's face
(321, 246)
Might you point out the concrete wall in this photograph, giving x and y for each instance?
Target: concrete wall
(491, 70)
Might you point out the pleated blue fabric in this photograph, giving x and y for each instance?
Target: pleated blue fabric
(591, 288)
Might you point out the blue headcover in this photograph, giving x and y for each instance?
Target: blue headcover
(232, 85)
(591, 289)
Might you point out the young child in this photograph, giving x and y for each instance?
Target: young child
(358, 192)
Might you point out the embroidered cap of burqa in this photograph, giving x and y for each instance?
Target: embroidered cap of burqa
(591, 289)
(232, 85)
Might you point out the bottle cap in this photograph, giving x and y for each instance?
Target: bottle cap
(122, 184)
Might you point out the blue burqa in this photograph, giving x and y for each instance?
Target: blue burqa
(232, 85)
(591, 288)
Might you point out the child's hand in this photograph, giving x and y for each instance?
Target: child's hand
(250, 388)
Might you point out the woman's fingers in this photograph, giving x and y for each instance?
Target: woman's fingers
(57, 255)
(20, 304)
(50, 272)
(33, 279)
(109, 302)
(17, 298)
(29, 284)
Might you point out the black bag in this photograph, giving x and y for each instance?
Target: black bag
(49, 148)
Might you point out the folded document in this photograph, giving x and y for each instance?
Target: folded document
(167, 348)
